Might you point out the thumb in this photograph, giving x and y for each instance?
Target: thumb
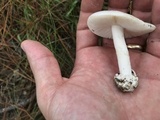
(45, 69)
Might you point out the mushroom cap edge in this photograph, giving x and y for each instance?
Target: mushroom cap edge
(100, 23)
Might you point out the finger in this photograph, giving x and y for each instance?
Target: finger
(155, 12)
(85, 37)
(120, 5)
(42, 62)
(153, 43)
(142, 9)
(45, 69)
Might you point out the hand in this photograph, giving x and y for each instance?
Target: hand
(90, 92)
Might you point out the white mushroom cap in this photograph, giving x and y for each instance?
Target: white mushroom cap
(101, 23)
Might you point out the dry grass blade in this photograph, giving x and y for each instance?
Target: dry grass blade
(53, 23)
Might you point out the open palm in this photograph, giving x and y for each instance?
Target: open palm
(90, 92)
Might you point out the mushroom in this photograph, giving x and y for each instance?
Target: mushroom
(117, 25)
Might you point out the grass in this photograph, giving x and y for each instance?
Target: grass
(53, 23)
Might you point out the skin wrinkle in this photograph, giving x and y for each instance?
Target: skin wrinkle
(85, 11)
(102, 78)
(95, 7)
(44, 59)
(133, 98)
(82, 25)
(95, 4)
(147, 74)
(52, 99)
(49, 104)
(124, 108)
(82, 28)
(89, 71)
(145, 16)
(85, 43)
(49, 94)
(155, 12)
(130, 115)
(156, 33)
(151, 47)
(137, 107)
(122, 10)
(145, 6)
(96, 53)
(149, 100)
(83, 88)
(120, 4)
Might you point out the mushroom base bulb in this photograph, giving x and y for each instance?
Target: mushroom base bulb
(126, 83)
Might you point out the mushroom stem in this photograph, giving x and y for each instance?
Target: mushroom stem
(121, 50)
